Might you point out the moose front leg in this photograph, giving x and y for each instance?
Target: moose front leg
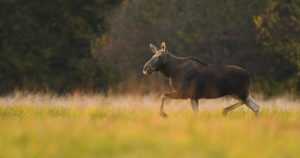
(173, 95)
(195, 105)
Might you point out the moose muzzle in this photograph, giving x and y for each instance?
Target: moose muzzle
(147, 70)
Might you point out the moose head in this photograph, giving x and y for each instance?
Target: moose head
(157, 60)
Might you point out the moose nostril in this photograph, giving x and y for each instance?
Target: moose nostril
(145, 72)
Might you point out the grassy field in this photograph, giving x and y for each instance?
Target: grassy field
(41, 126)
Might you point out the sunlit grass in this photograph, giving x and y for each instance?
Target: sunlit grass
(129, 126)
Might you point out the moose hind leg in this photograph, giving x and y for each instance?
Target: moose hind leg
(195, 105)
(252, 105)
(231, 107)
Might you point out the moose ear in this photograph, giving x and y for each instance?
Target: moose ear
(153, 48)
(163, 46)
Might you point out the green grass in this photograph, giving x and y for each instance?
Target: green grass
(35, 132)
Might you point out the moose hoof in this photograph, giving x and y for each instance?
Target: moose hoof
(163, 114)
(256, 114)
(225, 112)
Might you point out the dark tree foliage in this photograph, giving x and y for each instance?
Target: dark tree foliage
(278, 35)
(46, 45)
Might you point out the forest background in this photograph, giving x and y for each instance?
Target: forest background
(62, 46)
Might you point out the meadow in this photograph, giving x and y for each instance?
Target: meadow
(129, 126)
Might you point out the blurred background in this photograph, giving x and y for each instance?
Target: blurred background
(62, 46)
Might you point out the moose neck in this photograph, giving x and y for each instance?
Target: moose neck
(169, 68)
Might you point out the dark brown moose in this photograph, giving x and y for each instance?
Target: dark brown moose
(190, 78)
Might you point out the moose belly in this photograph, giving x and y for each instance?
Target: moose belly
(206, 89)
(211, 92)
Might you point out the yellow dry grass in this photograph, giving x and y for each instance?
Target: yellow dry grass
(129, 126)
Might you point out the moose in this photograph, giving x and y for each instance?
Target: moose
(191, 78)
